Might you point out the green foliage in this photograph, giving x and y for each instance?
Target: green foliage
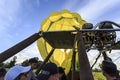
(96, 70)
(11, 63)
(39, 63)
(2, 65)
(25, 63)
(77, 66)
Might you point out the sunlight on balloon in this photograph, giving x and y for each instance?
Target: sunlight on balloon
(65, 50)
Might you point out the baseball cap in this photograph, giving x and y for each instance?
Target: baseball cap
(109, 67)
(16, 71)
(48, 70)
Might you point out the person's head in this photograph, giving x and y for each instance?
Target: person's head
(17, 73)
(33, 63)
(62, 74)
(49, 72)
(2, 73)
(109, 69)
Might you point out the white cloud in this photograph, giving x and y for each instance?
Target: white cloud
(9, 11)
(70, 4)
(94, 8)
(117, 20)
(11, 14)
(92, 55)
(19, 58)
(31, 51)
(38, 2)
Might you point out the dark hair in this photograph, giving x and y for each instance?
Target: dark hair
(33, 60)
(2, 72)
(47, 70)
(61, 71)
(110, 68)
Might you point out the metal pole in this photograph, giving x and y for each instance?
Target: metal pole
(18, 47)
(85, 70)
(96, 60)
(105, 56)
(46, 60)
(73, 64)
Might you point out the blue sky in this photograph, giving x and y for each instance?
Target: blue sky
(21, 18)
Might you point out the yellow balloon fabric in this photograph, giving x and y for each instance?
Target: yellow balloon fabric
(58, 21)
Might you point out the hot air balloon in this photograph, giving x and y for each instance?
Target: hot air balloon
(59, 21)
(56, 41)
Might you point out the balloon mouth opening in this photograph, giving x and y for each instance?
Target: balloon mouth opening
(65, 50)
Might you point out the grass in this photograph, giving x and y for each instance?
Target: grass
(98, 76)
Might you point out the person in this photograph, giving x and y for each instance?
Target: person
(49, 72)
(17, 73)
(2, 73)
(62, 75)
(33, 63)
(109, 70)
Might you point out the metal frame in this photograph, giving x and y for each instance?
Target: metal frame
(85, 71)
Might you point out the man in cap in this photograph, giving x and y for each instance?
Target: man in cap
(33, 63)
(49, 72)
(109, 70)
(17, 73)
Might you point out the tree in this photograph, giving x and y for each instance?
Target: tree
(11, 63)
(25, 63)
(1, 64)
